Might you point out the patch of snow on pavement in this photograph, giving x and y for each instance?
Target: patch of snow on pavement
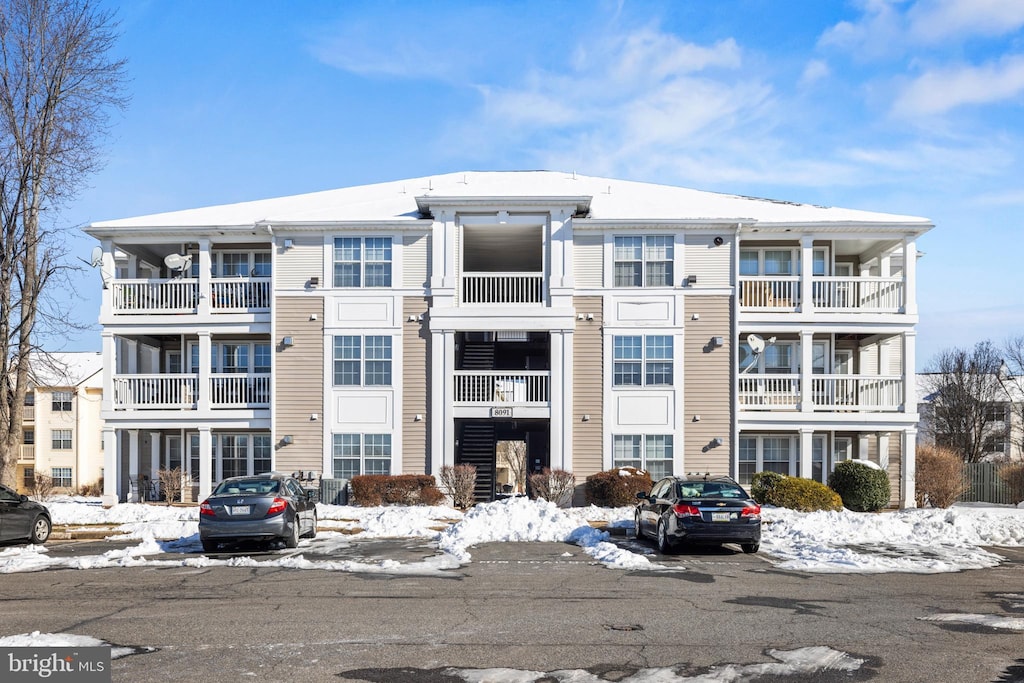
(37, 639)
(990, 620)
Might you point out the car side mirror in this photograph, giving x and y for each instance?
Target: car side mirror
(313, 495)
(642, 496)
(23, 498)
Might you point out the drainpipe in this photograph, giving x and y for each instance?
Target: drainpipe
(734, 355)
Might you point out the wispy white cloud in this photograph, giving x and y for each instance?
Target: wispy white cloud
(814, 71)
(939, 90)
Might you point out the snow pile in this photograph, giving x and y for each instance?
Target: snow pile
(917, 541)
(90, 511)
(37, 639)
(989, 620)
(403, 522)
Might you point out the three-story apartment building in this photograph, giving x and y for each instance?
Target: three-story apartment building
(403, 326)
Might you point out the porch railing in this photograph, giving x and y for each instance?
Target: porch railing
(239, 294)
(497, 387)
(769, 392)
(770, 291)
(229, 390)
(28, 453)
(156, 392)
(29, 414)
(880, 393)
(876, 294)
(502, 288)
(155, 296)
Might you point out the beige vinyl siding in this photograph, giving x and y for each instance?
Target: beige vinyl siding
(299, 383)
(588, 260)
(711, 264)
(415, 387)
(707, 379)
(416, 260)
(587, 390)
(294, 267)
(895, 463)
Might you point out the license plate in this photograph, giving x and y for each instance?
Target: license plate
(721, 516)
(240, 509)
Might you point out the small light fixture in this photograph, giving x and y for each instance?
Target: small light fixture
(590, 316)
(695, 316)
(717, 441)
(691, 279)
(696, 418)
(718, 241)
(718, 341)
(579, 316)
(288, 244)
(586, 417)
(313, 417)
(287, 439)
(417, 418)
(314, 281)
(287, 341)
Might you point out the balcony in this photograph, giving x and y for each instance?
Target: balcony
(28, 454)
(177, 296)
(181, 391)
(502, 288)
(829, 393)
(29, 414)
(502, 388)
(844, 294)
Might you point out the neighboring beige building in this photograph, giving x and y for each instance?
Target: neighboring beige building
(404, 326)
(62, 428)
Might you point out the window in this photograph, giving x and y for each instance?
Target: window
(362, 361)
(61, 476)
(173, 452)
(29, 477)
(767, 453)
(30, 397)
(995, 412)
(994, 444)
(651, 452)
(356, 454)
(261, 264)
(780, 261)
(362, 262)
(61, 401)
(261, 451)
(777, 454)
(644, 261)
(642, 360)
(234, 455)
(235, 358)
(61, 439)
(234, 265)
(747, 459)
(28, 437)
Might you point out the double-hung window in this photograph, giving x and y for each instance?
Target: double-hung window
(651, 452)
(356, 454)
(362, 261)
(642, 360)
(61, 440)
(362, 361)
(61, 401)
(61, 476)
(644, 261)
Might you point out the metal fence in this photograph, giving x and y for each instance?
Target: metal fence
(983, 483)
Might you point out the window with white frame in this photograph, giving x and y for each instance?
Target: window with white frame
(362, 261)
(29, 477)
(61, 401)
(355, 454)
(61, 476)
(643, 261)
(642, 360)
(782, 358)
(996, 412)
(234, 357)
(362, 361)
(994, 444)
(233, 454)
(237, 264)
(780, 261)
(767, 453)
(650, 452)
(61, 440)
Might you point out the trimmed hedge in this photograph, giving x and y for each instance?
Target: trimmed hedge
(617, 487)
(862, 487)
(400, 489)
(795, 493)
(762, 486)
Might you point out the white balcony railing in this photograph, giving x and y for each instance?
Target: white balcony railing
(178, 295)
(770, 291)
(873, 393)
(876, 294)
(28, 453)
(239, 390)
(156, 392)
(497, 387)
(769, 392)
(502, 288)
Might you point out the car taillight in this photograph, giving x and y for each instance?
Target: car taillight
(206, 509)
(754, 511)
(277, 506)
(682, 510)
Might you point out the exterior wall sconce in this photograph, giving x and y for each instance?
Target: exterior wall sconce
(717, 441)
(590, 316)
(314, 281)
(691, 279)
(287, 341)
(718, 341)
(417, 418)
(585, 316)
(313, 417)
(586, 418)
(287, 439)
(696, 418)
(288, 244)
(414, 318)
(579, 316)
(312, 316)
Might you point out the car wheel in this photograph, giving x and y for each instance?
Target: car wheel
(209, 546)
(664, 545)
(40, 530)
(749, 548)
(637, 531)
(292, 540)
(312, 531)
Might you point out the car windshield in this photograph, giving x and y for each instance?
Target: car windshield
(710, 489)
(250, 487)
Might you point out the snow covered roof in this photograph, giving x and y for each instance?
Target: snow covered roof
(605, 199)
(67, 369)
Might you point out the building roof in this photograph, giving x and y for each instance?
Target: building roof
(67, 369)
(604, 199)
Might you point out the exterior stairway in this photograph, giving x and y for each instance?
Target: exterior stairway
(477, 446)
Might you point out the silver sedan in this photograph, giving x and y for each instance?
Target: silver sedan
(264, 507)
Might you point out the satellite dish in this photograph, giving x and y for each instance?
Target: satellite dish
(97, 256)
(756, 343)
(178, 262)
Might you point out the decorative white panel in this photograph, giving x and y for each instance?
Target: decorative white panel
(644, 311)
(372, 312)
(362, 411)
(643, 410)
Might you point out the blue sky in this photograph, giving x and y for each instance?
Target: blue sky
(910, 107)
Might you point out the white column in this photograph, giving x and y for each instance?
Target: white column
(107, 271)
(883, 450)
(908, 469)
(909, 373)
(205, 462)
(111, 467)
(204, 381)
(806, 451)
(155, 453)
(205, 268)
(862, 446)
(806, 370)
(109, 347)
(133, 465)
(909, 276)
(447, 455)
(806, 273)
(560, 401)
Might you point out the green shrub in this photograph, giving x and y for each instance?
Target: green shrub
(862, 487)
(400, 489)
(617, 487)
(805, 495)
(762, 486)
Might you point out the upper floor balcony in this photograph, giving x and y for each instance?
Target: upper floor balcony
(183, 391)
(499, 388)
(28, 454)
(184, 296)
(841, 294)
(829, 393)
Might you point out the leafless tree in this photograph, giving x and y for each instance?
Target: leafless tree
(42, 487)
(460, 482)
(171, 484)
(58, 87)
(1011, 378)
(513, 454)
(965, 393)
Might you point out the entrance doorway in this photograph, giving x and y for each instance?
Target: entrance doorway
(495, 446)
